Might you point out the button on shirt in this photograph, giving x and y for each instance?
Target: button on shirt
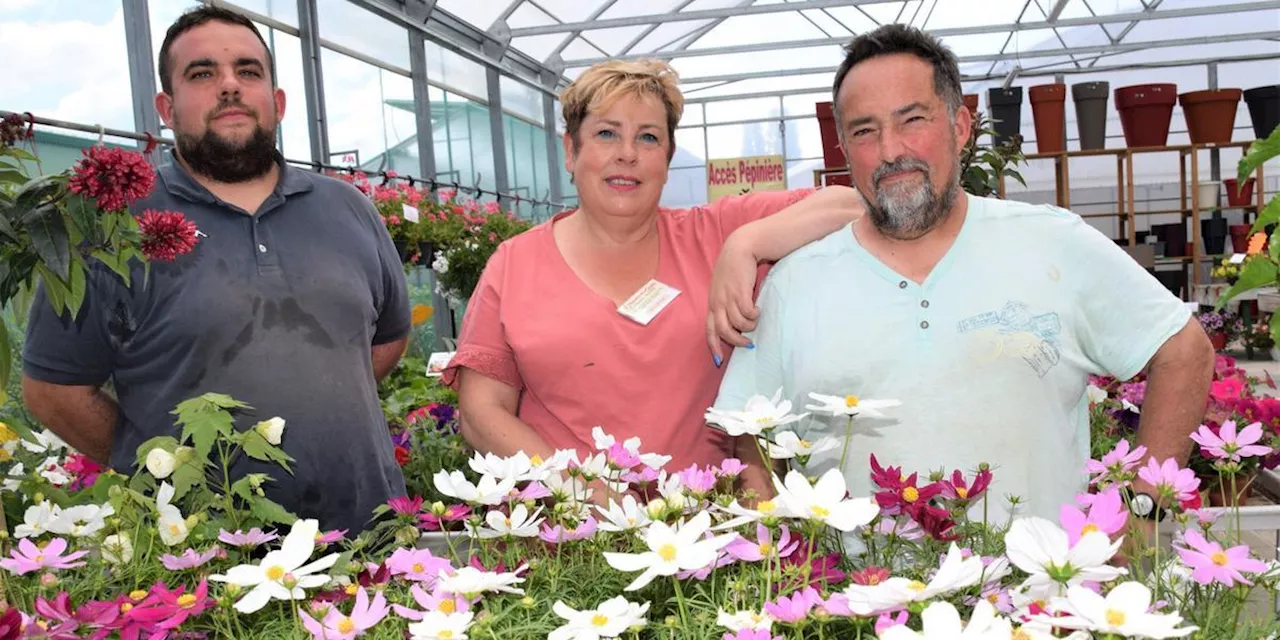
(278, 309)
(990, 355)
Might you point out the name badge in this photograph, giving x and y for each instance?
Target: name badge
(650, 300)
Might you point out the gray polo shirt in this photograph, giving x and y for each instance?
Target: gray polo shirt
(276, 309)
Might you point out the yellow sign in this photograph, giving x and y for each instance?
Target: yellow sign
(736, 176)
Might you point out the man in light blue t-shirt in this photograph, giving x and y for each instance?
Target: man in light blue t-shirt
(983, 317)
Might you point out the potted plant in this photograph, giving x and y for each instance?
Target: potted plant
(1210, 114)
(1239, 193)
(981, 165)
(1048, 111)
(1264, 108)
(1145, 113)
(1262, 269)
(1091, 113)
(1006, 114)
(462, 250)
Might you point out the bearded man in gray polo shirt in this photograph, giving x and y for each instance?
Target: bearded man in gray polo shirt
(294, 299)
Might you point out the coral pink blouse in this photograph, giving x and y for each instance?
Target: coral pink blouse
(578, 363)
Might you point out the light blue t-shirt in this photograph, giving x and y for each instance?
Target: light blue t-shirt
(990, 356)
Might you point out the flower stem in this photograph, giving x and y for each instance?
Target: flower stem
(684, 615)
(848, 435)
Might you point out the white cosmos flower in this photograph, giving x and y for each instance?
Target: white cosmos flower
(567, 489)
(1095, 394)
(83, 520)
(824, 501)
(1040, 548)
(470, 582)
(116, 549)
(37, 519)
(941, 621)
(671, 550)
(604, 440)
(489, 491)
(591, 467)
(11, 479)
(765, 510)
(46, 442)
(789, 445)
(283, 573)
(438, 625)
(872, 599)
(1123, 611)
(520, 524)
(609, 619)
(955, 573)
(622, 517)
(53, 471)
(172, 526)
(760, 414)
(518, 467)
(850, 405)
(745, 619)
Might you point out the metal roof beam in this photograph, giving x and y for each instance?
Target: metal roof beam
(1188, 12)
(1040, 53)
(706, 14)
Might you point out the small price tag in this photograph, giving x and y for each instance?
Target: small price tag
(410, 213)
(1237, 258)
(438, 361)
(648, 301)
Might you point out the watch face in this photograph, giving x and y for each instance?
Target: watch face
(1143, 504)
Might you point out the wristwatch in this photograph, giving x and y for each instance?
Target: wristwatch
(1144, 506)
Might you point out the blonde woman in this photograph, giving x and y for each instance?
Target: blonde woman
(548, 350)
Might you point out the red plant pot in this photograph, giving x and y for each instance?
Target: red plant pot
(971, 101)
(1241, 198)
(832, 154)
(1219, 340)
(1048, 109)
(1210, 114)
(1240, 237)
(1145, 113)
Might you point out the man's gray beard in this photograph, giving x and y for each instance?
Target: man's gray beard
(916, 211)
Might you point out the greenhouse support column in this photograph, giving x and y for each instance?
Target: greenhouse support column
(496, 134)
(442, 321)
(1215, 159)
(553, 143)
(313, 80)
(142, 71)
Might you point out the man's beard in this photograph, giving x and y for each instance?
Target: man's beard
(225, 161)
(903, 211)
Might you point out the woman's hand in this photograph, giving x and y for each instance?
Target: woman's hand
(731, 307)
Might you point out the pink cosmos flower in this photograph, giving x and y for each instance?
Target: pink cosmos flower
(189, 559)
(620, 457)
(336, 626)
(751, 634)
(252, 538)
(1169, 478)
(904, 528)
(698, 481)
(644, 475)
(887, 620)
(729, 468)
(533, 491)
(330, 537)
(558, 534)
(418, 565)
(1228, 445)
(1119, 460)
(28, 557)
(1210, 563)
(405, 506)
(795, 607)
(1107, 514)
(169, 609)
(763, 547)
(438, 600)
(837, 604)
(433, 521)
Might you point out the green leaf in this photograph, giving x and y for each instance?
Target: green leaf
(1259, 152)
(117, 262)
(257, 447)
(1269, 215)
(75, 297)
(1013, 173)
(1258, 272)
(243, 488)
(12, 176)
(185, 476)
(6, 360)
(20, 154)
(168, 443)
(84, 216)
(49, 238)
(269, 511)
(203, 419)
(7, 229)
(1275, 328)
(54, 288)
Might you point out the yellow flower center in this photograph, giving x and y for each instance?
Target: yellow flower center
(7, 434)
(42, 624)
(508, 521)
(851, 401)
(766, 507)
(174, 530)
(345, 625)
(820, 513)
(352, 589)
(39, 558)
(873, 580)
(1089, 528)
(275, 573)
(445, 633)
(536, 460)
(962, 492)
(448, 606)
(5, 455)
(1019, 634)
(1115, 618)
(764, 420)
(418, 568)
(599, 620)
(667, 552)
(765, 548)
(186, 601)
(910, 494)
(1219, 558)
(805, 444)
(137, 595)
(125, 607)
(916, 586)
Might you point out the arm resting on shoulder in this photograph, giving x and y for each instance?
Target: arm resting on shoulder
(386, 356)
(1178, 379)
(83, 416)
(773, 237)
(487, 417)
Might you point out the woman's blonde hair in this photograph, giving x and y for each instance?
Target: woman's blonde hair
(600, 86)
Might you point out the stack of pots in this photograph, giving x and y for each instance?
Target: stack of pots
(1264, 109)
(1006, 113)
(1091, 113)
(1210, 114)
(1048, 110)
(1145, 113)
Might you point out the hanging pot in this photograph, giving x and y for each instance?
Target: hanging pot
(1237, 196)
(1048, 111)
(1210, 114)
(1006, 113)
(971, 101)
(1264, 109)
(1239, 237)
(832, 155)
(1091, 113)
(1145, 113)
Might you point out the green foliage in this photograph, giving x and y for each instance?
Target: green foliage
(982, 165)
(1262, 269)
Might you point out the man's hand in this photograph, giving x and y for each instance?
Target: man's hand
(731, 308)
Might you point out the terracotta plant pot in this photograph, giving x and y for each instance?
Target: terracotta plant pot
(1145, 112)
(1049, 111)
(1210, 114)
(1091, 113)
(971, 101)
(1264, 109)
(1221, 496)
(1240, 237)
(832, 154)
(1219, 340)
(1006, 113)
(1237, 196)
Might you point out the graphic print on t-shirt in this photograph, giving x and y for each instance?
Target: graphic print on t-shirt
(1019, 331)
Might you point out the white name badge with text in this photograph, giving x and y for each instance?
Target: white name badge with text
(648, 301)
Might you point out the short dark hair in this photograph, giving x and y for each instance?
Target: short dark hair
(193, 18)
(899, 38)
